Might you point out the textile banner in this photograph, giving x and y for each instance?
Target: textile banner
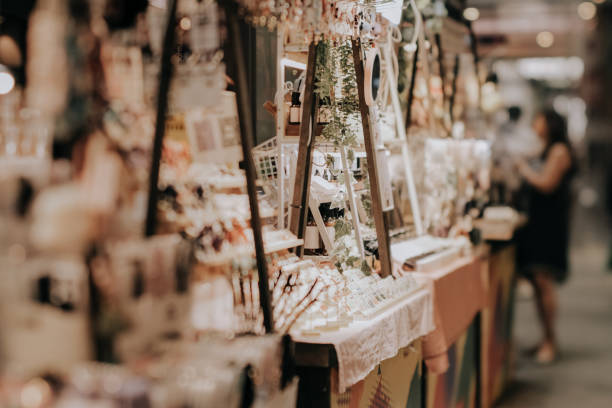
(395, 383)
(497, 324)
(456, 388)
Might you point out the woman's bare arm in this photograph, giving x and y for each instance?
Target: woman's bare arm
(548, 179)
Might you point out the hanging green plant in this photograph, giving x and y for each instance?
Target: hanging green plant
(336, 84)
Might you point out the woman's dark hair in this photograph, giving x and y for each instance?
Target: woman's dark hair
(557, 133)
(557, 128)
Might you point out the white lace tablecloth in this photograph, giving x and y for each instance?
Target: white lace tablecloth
(362, 345)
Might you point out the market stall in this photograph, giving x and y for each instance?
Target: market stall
(497, 352)
(127, 277)
(334, 264)
(498, 355)
(335, 366)
(451, 352)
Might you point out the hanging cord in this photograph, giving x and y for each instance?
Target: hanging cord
(422, 49)
(394, 36)
(411, 47)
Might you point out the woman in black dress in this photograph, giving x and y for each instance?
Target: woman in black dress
(543, 243)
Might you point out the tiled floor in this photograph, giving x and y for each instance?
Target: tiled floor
(582, 377)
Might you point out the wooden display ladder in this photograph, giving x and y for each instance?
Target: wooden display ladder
(313, 203)
(300, 197)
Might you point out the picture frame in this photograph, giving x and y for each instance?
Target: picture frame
(213, 133)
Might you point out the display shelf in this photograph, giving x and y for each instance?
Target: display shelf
(294, 130)
(281, 245)
(240, 251)
(496, 230)
(438, 260)
(499, 223)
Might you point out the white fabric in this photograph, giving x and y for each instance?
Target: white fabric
(392, 11)
(361, 346)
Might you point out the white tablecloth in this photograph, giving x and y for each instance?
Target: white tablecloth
(362, 345)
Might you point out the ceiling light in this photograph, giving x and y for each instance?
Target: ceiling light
(545, 39)
(551, 69)
(7, 81)
(185, 24)
(587, 10)
(471, 14)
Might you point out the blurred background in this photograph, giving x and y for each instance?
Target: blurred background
(536, 53)
(558, 53)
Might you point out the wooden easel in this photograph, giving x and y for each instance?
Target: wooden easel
(301, 200)
(298, 211)
(236, 58)
(382, 227)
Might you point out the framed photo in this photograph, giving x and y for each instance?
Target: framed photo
(213, 133)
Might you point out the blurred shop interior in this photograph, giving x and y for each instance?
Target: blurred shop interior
(305, 203)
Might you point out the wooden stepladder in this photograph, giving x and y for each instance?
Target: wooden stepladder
(298, 211)
(300, 201)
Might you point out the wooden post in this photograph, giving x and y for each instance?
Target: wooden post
(384, 252)
(415, 59)
(314, 204)
(438, 38)
(348, 176)
(236, 57)
(298, 214)
(451, 103)
(474, 48)
(160, 121)
(280, 123)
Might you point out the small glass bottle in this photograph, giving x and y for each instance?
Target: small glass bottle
(311, 237)
(295, 111)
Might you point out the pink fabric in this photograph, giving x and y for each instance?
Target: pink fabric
(459, 294)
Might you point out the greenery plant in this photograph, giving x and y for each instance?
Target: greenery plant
(336, 84)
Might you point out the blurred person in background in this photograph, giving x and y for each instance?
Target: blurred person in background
(515, 140)
(505, 181)
(543, 243)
